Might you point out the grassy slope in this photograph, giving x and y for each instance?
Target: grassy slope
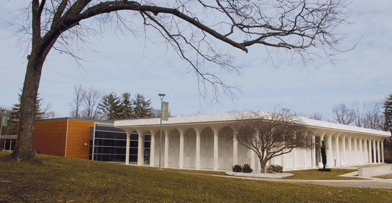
(64, 179)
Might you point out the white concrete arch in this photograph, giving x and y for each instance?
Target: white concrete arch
(225, 148)
(190, 148)
(159, 142)
(173, 148)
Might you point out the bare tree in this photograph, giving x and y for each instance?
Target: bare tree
(343, 114)
(271, 134)
(192, 28)
(368, 115)
(373, 117)
(316, 116)
(76, 103)
(90, 102)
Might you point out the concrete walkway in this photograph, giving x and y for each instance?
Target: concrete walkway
(369, 182)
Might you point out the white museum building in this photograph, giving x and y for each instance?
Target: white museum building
(207, 142)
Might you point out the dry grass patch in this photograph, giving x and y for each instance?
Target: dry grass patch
(315, 174)
(73, 180)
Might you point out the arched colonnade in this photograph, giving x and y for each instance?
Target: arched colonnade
(212, 146)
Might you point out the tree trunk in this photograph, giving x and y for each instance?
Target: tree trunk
(24, 149)
(263, 164)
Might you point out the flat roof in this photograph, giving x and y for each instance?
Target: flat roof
(229, 117)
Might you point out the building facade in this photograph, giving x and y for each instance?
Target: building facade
(208, 142)
(64, 137)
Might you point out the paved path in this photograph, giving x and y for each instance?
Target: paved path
(361, 183)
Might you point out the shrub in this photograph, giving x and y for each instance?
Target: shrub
(247, 169)
(237, 168)
(274, 169)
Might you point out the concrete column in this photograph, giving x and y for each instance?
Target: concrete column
(382, 150)
(360, 152)
(344, 150)
(374, 151)
(216, 148)
(379, 151)
(235, 147)
(167, 137)
(350, 157)
(181, 161)
(313, 153)
(305, 151)
(337, 151)
(355, 151)
(366, 150)
(152, 148)
(369, 151)
(127, 147)
(198, 131)
(329, 151)
(140, 148)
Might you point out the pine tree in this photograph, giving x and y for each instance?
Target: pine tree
(141, 107)
(126, 106)
(388, 113)
(14, 116)
(388, 127)
(110, 106)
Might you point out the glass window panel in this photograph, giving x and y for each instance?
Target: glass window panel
(7, 144)
(13, 144)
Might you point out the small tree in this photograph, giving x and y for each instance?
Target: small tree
(271, 134)
(388, 126)
(14, 115)
(126, 106)
(388, 113)
(141, 106)
(110, 107)
(90, 102)
(76, 103)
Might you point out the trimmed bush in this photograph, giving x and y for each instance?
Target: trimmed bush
(237, 168)
(274, 169)
(247, 169)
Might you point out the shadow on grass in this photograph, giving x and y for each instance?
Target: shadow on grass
(315, 174)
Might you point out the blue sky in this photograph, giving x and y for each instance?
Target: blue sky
(123, 63)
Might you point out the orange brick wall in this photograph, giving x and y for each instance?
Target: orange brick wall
(49, 137)
(78, 135)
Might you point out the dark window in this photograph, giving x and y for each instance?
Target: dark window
(13, 144)
(110, 144)
(7, 144)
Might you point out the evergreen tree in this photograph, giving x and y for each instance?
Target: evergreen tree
(110, 106)
(126, 106)
(388, 127)
(14, 115)
(388, 113)
(141, 107)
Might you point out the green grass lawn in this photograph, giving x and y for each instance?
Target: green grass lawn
(73, 180)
